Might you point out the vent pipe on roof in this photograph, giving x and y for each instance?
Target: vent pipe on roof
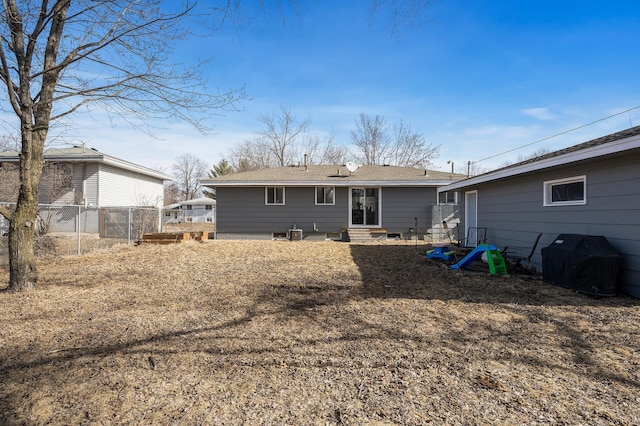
(306, 166)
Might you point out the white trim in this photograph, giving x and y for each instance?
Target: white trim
(275, 203)
(547, 195)
(364, 225)
(456, 196)
(333, 203)
(212, 183)
(609, 148)
(467, 214)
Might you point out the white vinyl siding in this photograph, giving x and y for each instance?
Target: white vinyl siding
(90, 189)
(119, 187)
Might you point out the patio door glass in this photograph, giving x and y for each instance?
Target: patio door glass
(365, 205)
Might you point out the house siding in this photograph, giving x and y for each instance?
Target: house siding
(119, 187)
(402, 206)
(242, 212)
(91, 190)
(512, 211)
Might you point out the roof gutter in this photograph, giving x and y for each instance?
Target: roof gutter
(610, 148)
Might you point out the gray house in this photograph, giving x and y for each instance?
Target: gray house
(592, 189)
(334, 202)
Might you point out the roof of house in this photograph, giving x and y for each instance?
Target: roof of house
(80, 154)
(336, 175)
(202, 201)
(611, 144)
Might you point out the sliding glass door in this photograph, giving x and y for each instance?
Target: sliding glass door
(365, 207)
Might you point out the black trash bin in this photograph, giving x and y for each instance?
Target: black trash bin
(583, 263)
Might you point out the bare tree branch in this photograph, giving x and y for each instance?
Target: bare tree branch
(404, 147)
(188, 169)
(281, 134)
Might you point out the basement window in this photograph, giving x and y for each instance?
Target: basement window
(566, 192)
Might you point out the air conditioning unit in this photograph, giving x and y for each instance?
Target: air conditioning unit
(295, 234)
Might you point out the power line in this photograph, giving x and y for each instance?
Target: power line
(556, 135)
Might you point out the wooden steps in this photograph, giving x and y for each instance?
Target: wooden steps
(366, 234)
(174, 237)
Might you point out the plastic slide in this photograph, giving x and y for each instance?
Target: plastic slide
(475, 254)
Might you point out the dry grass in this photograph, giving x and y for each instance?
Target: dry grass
(232, 332)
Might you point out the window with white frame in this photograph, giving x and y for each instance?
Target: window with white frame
(448, 197)
(325, 195)
(274, 195)
(208, 207)
(566, 192)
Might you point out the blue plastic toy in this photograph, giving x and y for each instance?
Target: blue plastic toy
(494, 259)
(439, 252)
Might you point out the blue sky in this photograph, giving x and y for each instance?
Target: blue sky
(479, 78)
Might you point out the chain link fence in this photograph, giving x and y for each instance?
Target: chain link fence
(71, 229)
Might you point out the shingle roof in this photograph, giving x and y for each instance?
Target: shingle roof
(632, 131)
(335, 175)
(612, 144)
(81, 154)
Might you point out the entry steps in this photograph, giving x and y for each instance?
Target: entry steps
(366, 234)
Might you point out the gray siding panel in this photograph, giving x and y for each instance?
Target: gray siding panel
(243, 210)
(512, 211)
(401, 205)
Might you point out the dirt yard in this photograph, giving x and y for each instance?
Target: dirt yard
(277, 332)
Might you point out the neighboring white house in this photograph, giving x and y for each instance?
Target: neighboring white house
(84, 190)
(85, 176)
(198, 210)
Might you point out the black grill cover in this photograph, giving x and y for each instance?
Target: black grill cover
(583, 263)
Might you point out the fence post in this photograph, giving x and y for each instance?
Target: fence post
(129, 227)
(78, 223)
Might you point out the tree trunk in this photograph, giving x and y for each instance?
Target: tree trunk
(23, 273)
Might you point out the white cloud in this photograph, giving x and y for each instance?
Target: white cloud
(539, 113)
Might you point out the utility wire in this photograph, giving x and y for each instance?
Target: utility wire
(556, 135)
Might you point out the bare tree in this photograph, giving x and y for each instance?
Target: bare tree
(371, 139)
(285, 141)
(525, 157)
(403, 147)
(58, 55)
(57, 183)
(8, 143)
(252, 155)
(281, 134)
(410, 148)
(188, 170)
(400, 14)
(171, 193)
(323, 150)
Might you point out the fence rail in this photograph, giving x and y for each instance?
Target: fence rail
(89, 227)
